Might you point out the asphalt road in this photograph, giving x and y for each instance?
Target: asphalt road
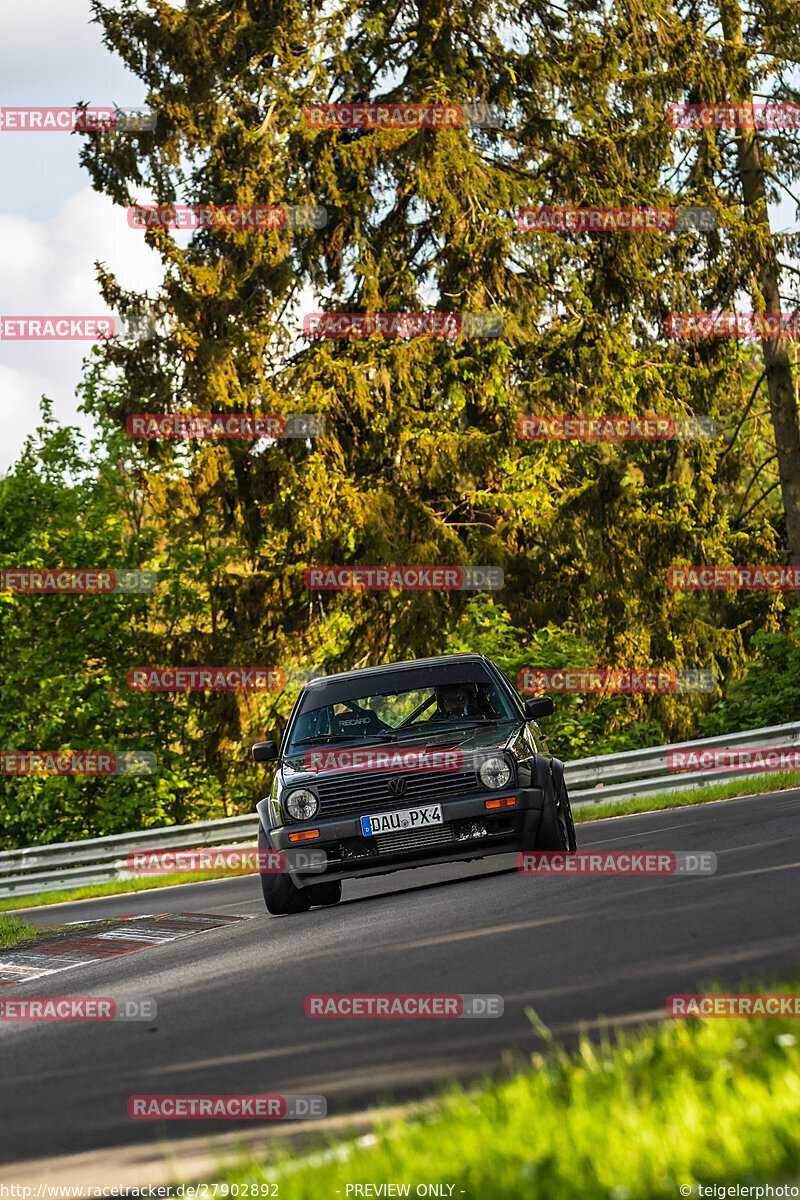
(230, 1002)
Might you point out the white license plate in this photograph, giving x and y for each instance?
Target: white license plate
(404, 819)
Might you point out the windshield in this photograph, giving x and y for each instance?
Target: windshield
(385, 713)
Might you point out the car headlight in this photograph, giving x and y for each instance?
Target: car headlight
(495, 772)
(301, 804)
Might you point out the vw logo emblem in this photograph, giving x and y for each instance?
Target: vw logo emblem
(398, 787)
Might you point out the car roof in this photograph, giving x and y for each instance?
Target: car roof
(381, 668)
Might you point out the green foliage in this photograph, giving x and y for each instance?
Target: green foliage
(13, 931)
(421, 463)
(581, 725)
(66, 658)
(769, 691)
(63, 656)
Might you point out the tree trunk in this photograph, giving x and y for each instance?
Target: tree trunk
(783, 408)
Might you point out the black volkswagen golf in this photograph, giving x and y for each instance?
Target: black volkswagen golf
(404, 765)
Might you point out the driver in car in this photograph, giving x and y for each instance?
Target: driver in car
(452, 701)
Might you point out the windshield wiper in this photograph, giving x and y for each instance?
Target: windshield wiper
(324, 737)
(458, 722)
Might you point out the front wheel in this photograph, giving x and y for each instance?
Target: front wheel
(281, 895)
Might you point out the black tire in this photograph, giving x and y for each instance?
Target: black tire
(325, 893)
(281, 896)
(557, 828)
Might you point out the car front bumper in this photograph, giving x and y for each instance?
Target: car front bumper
(469, 830)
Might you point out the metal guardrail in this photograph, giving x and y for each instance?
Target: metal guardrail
(606, 777)
(101, 860)
(643, 772)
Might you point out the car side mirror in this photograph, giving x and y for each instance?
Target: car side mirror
(539, 706)
(265, 751)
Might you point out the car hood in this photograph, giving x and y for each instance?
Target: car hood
(478, 740)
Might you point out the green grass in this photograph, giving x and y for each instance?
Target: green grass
(14, 930)
(630, 1118)
(587, 812)
(779, 782)
(114, 888)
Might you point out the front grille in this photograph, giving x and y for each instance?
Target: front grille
(368, 791)
(391, 843)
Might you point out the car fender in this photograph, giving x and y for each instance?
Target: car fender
(266, 813)
(545, 772)
(557, 771)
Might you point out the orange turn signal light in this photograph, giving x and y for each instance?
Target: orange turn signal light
(501, 802)
(304, 836)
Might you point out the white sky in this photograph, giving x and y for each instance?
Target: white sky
(53, 227)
